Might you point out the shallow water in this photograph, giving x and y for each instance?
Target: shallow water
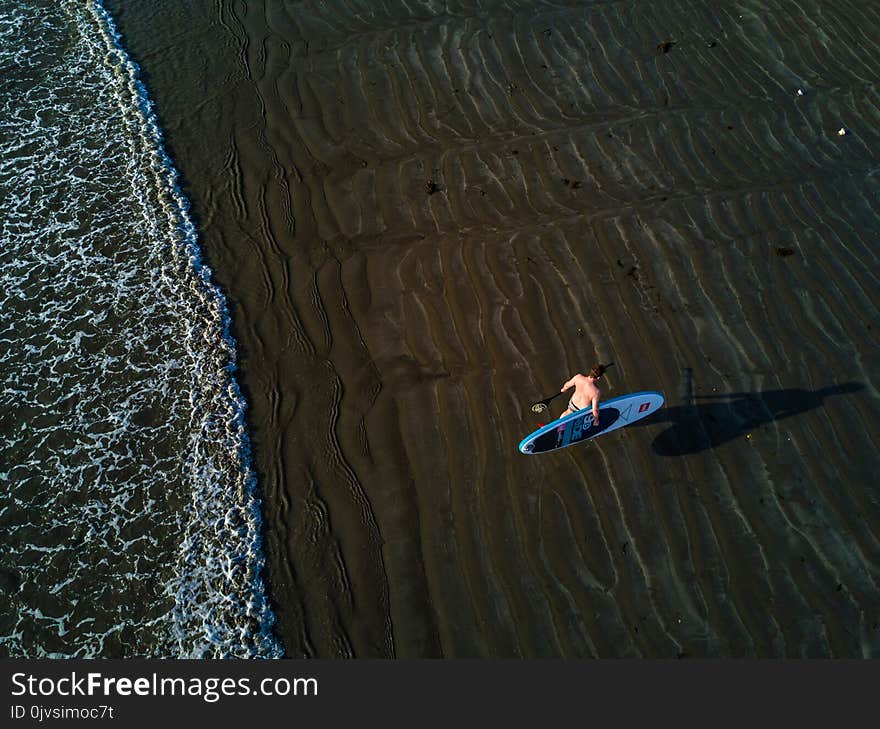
(427, 215)
(128, 515)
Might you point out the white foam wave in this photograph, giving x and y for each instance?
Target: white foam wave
(132, 522)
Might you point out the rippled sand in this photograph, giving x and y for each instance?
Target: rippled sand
(428, 215)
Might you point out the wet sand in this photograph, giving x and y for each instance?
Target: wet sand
(427, 216)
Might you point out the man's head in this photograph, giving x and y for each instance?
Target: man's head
(598, 370)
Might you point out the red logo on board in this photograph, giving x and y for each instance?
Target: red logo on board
(644, 406)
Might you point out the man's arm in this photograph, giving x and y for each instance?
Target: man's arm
(568, 385)
(596, 409)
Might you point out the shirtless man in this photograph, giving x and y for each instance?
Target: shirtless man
(586, 392)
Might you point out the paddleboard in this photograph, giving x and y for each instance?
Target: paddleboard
(579, 426)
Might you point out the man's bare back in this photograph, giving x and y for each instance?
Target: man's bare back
(586, 392)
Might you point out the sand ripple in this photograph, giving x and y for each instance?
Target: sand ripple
(430, 214)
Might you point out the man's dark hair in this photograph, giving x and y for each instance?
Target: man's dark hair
(599, 370)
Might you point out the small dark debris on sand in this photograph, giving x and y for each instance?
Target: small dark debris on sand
(665, 46)
(783, 252)
(573, 184)
(431, 187)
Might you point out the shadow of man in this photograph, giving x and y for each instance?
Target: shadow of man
(716, 419)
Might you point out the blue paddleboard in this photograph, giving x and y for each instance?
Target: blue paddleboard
(577, 427)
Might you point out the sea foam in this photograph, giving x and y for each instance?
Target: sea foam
(129, 510)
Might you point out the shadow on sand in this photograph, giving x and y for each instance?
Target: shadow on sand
(716, 419)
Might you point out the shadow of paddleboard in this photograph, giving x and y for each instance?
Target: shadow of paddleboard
(712, 420)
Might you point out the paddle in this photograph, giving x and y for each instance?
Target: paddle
(541, 405)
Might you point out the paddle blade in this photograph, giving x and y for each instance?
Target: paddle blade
(541, 405)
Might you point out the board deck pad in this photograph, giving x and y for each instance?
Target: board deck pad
(577, 427)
